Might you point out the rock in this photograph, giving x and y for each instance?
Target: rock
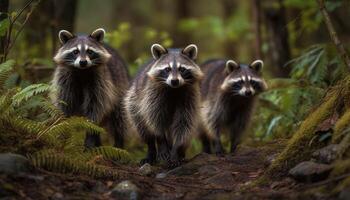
(344, 194)
(161, 175)
(100, 187)
(57, 195)
(125, 190)
(327, 154)
(146, 169)
(269, 159)
(14, 163)
(208, 170)
(309, 171)
(193, 165)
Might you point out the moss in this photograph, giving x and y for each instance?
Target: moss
(302, 144)
(344, 146)
(342, 185)
(340, 168)
(346, 92)
(340, 126)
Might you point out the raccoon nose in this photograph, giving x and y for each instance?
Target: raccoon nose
(248, 93)
(83, 63)
(175, 82)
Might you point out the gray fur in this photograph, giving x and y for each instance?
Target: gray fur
(95, 89)
(165, 114)
(229, 92)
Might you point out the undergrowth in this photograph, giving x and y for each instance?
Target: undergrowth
(31, 125)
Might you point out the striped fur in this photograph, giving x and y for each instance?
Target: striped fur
(229, 91)
(94, 89)
(165, 115)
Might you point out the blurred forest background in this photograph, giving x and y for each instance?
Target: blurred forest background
(309, 87)
(289, 35)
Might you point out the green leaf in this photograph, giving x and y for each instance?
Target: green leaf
(4, 25)
(5, 71)
(29, 92)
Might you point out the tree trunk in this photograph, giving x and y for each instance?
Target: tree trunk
(256, 8)
(278, 39)
(181, 39)
(49, 17)
(64, 18)
(4, 6)
(228, 8)
(333, 34)
(37, 29)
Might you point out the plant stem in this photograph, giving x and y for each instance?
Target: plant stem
(333, 34)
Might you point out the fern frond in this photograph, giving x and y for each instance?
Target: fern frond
(21, 124)
(50, 109)
(56, 162)
(112, 153)
(5, 102)
(29, 92)
(69, 125)
(5, 71)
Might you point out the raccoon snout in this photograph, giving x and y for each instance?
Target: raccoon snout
(175, 82)
(83, 63)
(248, 93)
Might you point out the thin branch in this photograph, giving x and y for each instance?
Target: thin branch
(9, 43)
(20, 30)
(340, 47)
(22, 10)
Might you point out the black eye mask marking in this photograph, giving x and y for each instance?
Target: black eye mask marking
(256, 85)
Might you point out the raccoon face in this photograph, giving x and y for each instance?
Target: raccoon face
(244, 80)
(82, 51)
(174, 67)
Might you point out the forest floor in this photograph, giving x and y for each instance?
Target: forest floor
(202, 177)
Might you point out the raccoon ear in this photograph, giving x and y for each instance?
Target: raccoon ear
(158, 50)
(64, 36)
(191, 51)
(231, 65)
(98, 34)
(257, 65)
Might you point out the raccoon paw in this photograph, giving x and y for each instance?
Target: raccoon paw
(147, 160)
(174, 163)
(220, 153)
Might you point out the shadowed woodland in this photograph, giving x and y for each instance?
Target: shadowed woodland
(296, 145)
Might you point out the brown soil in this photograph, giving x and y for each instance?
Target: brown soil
(203, 177)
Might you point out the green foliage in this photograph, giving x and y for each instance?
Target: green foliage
(30, 91)
(52, 161)
(113, 154)
(119, 36)
(302, 144)
(288, 101)
(120, 39)
(313, 66)
(4, 25)
(6, 70)
(36, 125)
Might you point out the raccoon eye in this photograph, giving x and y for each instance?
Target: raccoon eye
(182, 69)
(168, 69)
(255, 84)
(89, 51)
(76, 51)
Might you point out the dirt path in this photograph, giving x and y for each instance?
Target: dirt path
(203, 177)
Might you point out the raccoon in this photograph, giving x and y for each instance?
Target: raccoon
(91, 79)
(163, 103)
(228, 91)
